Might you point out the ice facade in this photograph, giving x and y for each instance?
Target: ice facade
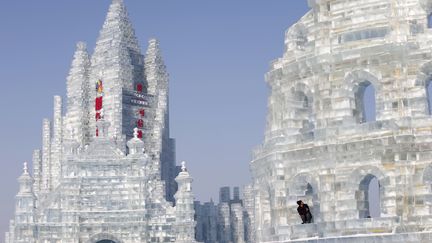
(106, 171)
(320, 148)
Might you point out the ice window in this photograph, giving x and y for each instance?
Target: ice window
(429, 21)
(364, 34)
(369, 200)
(365, 102)
(429, 96)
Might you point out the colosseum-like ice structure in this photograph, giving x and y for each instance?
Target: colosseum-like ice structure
(325, 143)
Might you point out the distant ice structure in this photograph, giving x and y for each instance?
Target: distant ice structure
(318, 146)
(229, 221)
(106, 171)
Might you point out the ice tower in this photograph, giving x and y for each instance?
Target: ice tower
(320, 146)
(106, 171)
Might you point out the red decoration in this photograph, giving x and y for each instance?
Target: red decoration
(98, 116)
(97, 132)
(140, 123)
(140, 134)
(139, 87)
(98, 103)
(142, 112)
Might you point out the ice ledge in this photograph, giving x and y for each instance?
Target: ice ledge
(416, 237)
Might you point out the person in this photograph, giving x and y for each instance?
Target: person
(304, 212)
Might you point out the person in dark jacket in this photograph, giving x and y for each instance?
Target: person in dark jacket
(304, 212)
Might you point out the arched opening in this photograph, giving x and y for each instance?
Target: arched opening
(303, 107)
(106, 241)
(369, 197)
(365, 102)
(429, 21)
(429, 96)
(304, 188)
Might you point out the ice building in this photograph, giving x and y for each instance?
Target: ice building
(320, 146)
(106, 171)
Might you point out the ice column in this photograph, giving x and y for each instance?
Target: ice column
(56, 146)
(46, 155)
(37, 166)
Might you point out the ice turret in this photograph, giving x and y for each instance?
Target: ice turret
(24, 208)
(185, 207)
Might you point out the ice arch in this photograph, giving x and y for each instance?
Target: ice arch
(424, 79)
(301, 104)
(361, 179)
(304, 187)
(364, 87)
(104, 238)
(369, 192)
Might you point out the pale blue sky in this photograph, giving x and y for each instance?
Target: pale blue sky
(217, 53)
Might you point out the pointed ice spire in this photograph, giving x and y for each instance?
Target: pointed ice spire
(117, 28)
(77, 96)
(156, 74)
(25, 169)
(117, 61)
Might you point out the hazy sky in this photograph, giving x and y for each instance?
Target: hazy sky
(217, 53)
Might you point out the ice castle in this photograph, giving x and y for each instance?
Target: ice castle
(320, 148)
(106, 172)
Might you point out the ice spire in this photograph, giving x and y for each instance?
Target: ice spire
(25, 170)
(117, 30)
(157, 80)
(156, 74)
(77, 96)
(117, 61)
